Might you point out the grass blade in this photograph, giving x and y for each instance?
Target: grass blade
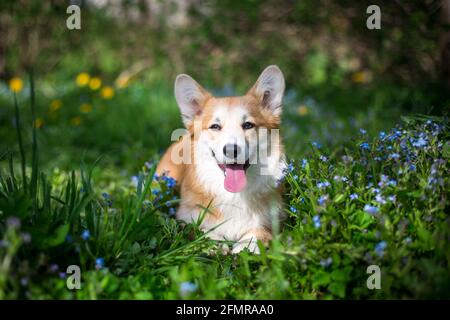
(20, 141)
(34, 154)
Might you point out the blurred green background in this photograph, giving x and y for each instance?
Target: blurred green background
(340, 75)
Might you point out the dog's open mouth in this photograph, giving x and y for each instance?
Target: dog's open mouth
(235, 176)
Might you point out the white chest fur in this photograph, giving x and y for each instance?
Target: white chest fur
(251, 209)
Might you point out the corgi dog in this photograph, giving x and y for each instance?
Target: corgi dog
(230, 160)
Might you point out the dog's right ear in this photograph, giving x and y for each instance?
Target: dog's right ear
(190, 97)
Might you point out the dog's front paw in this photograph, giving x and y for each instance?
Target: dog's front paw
(251, 245)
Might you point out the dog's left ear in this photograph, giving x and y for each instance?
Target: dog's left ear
(269, 89)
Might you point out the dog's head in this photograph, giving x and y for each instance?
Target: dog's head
(232, 132)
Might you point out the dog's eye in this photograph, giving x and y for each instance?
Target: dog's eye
(215, 126)
(248, 125)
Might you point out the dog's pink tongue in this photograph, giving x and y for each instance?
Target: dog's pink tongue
(235, 179)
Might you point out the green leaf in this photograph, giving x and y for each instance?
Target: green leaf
(339, 275)
(363, 219)
(424, 236)
(338, 289)
(336, 259)
(339, 198)
(135, 248)
(321, 278)
(446, 150)
(59, 236)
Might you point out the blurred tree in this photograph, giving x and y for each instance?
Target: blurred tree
(321, 45)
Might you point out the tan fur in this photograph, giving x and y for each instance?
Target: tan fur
(184, 174)
(262, 234)
(194, 195)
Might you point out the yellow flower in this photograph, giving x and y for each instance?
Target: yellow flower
(55, 105)
(82, 79)
(95, 83)
(75, 121)
(38, 123)
(16, 84)
(107, 92)
(362, 76)
(303, 110)
(86, 108)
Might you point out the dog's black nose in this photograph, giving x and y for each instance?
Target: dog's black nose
(231, 151)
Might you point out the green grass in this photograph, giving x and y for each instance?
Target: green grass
(86, 196)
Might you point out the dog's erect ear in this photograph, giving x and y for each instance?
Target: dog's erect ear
(190, 97)
(269, 89)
